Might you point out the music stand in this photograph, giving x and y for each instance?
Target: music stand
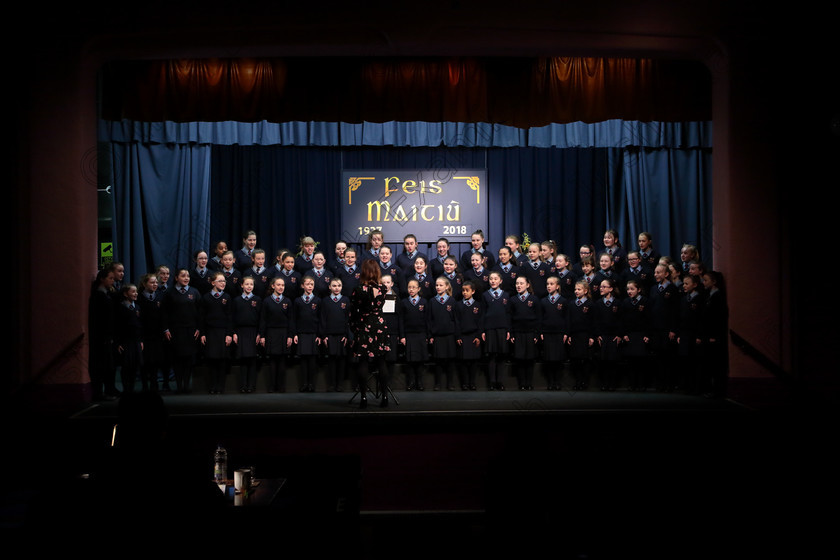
(377, 393)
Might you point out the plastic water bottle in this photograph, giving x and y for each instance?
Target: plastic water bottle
(220, 465)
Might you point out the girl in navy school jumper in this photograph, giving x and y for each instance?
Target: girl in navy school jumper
(415, 337)
(714, 331)
(443, 332)
(244, 257)
(151, 318)
(128, 336)
(216, 328)
(606, 271)
(635, 325)
(565, 277)
(436, 262)
(612, 246)
(477, 241)
(303, 262)
(513, 243)
(335, 334)
(420, 272)
(664, 299)
(689, 334)
(405, 260)
(470, 318)
(508, 269)
(181, 328)
(524, 320)
(306, 335)
(200, 275)
(336, 260)
(276, 331)
(374, 243)
(451, 273)
(387, 264)
(536, 271)
(320, 275)
(247, 309)
(609, 335)
(392, 320)
(215, 262)
(496, 333)
(478, 274)
(348, 272)
(650, 256)
(548, 252)
(261, 274)
(232, 276)
(285, 268)
(581, 335)
(554, 329)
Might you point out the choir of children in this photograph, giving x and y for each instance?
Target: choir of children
(632, 318)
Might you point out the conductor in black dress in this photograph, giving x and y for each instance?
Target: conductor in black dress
(370, 332)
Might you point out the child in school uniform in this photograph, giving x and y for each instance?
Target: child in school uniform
(181, 327)
(565, 277)
(536, 271)
(420, 272)
(335, 334)
(635, 325)
(276, 331)
(587, 268)
(405, 260)
(247, 309)
(477, 246)
(513, 243)
(244, 257)
(581, 335)
(415, 337)
(453, 275)
(306, 335)
(478, 274)
(650, 256)
(285, 268)
(200, 274)
(320, 275)
(508, 269)
(664, 298)
(689, 333)
(215, 262)
(260, 273)
(391, 313)
(612, 246)
(553, 333)
(548, 252)
(606, 271)
(470, 319)
(151, 319)
(443, 332)
(608, 334)
(336, 260)
(436, 262)
(496, 334)
(387, 264)
(637, 271)
(371, 252)
(524, 320)
(303, 262)
(348, 272)
(216, 328)
(232, 276)
(128, 336)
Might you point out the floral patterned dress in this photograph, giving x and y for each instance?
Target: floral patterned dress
(370, 333)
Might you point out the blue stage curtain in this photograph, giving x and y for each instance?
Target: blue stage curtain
(181, 187)
(162, 204)
(607, 134)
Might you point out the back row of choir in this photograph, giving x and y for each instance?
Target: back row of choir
(632, 318)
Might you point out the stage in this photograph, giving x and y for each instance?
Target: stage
(480, 471)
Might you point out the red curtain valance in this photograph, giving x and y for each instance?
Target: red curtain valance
(519, 92)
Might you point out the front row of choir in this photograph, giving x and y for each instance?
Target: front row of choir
(662, 335)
